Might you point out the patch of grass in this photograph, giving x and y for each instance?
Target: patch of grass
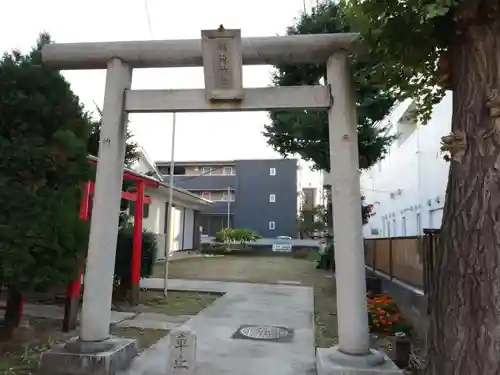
(22, 361)
(21, 354)
(325, 332)
(145, 337)
(251, 269)
(178, 302)
(314, 255)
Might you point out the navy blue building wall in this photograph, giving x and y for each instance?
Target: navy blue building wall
(252, 185)
(252, 208)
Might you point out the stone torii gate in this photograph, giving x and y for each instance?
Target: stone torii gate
(222, 53)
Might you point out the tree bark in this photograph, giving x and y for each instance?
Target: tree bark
(13, 312)
(464, 332)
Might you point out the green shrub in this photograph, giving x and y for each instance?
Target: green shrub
(236, 235)
(123, 262)
(245, 235)
(327, 260)
(224, 235)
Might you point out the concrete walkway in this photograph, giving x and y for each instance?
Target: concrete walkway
(243, 304)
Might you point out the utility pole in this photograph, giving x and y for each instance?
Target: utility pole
(170, 198)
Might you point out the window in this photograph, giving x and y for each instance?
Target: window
(419, 224)
(403, 226)
(272, 225)
(272, 171)
(272, 198)
(394, 234)
(206, 195)
(206, 171)
(228, 171)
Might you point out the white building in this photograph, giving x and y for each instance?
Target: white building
(185, 222)
(408, 187)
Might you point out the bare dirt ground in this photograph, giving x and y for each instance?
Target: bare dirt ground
(267, 270)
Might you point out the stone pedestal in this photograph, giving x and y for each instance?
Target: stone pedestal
(94, 358)
(331, 361)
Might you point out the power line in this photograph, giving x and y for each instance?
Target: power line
(148, 18)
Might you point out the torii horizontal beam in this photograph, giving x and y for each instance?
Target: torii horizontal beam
(294, 49)
(255, 99)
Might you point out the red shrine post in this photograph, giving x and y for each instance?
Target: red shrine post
(137, 241)
(73, 290)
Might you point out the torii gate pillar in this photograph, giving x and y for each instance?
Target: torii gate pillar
(222, 53)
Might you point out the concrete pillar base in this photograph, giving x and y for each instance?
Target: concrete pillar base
(331, 361)
(77, 357)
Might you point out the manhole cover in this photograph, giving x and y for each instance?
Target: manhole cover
(264, 333)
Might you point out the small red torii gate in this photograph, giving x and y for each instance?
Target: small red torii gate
(74, 287)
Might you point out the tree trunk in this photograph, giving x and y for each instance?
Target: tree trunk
(13, 312)
(464, 334)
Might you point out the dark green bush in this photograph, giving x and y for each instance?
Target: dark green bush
(327, 260)
(236, 235)
(123, 262)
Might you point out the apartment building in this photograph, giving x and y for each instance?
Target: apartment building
(257, 194)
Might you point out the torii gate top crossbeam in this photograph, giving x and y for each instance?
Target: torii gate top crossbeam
(293, 49)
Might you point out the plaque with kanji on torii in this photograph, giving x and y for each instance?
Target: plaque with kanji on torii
(222, 64)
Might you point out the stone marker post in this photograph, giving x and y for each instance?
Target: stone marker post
(182, 352)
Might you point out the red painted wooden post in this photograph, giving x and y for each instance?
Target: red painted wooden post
(72, 303)
(84, 205)
(137, 241)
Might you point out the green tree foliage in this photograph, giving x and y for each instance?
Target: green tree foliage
(305, 132)
(425, 47)
(43, 139)
(314, 220)
(131, 151)
(317, 219)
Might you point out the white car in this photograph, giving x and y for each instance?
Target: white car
(283, 243)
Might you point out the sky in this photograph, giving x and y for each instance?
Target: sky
(199, 136)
